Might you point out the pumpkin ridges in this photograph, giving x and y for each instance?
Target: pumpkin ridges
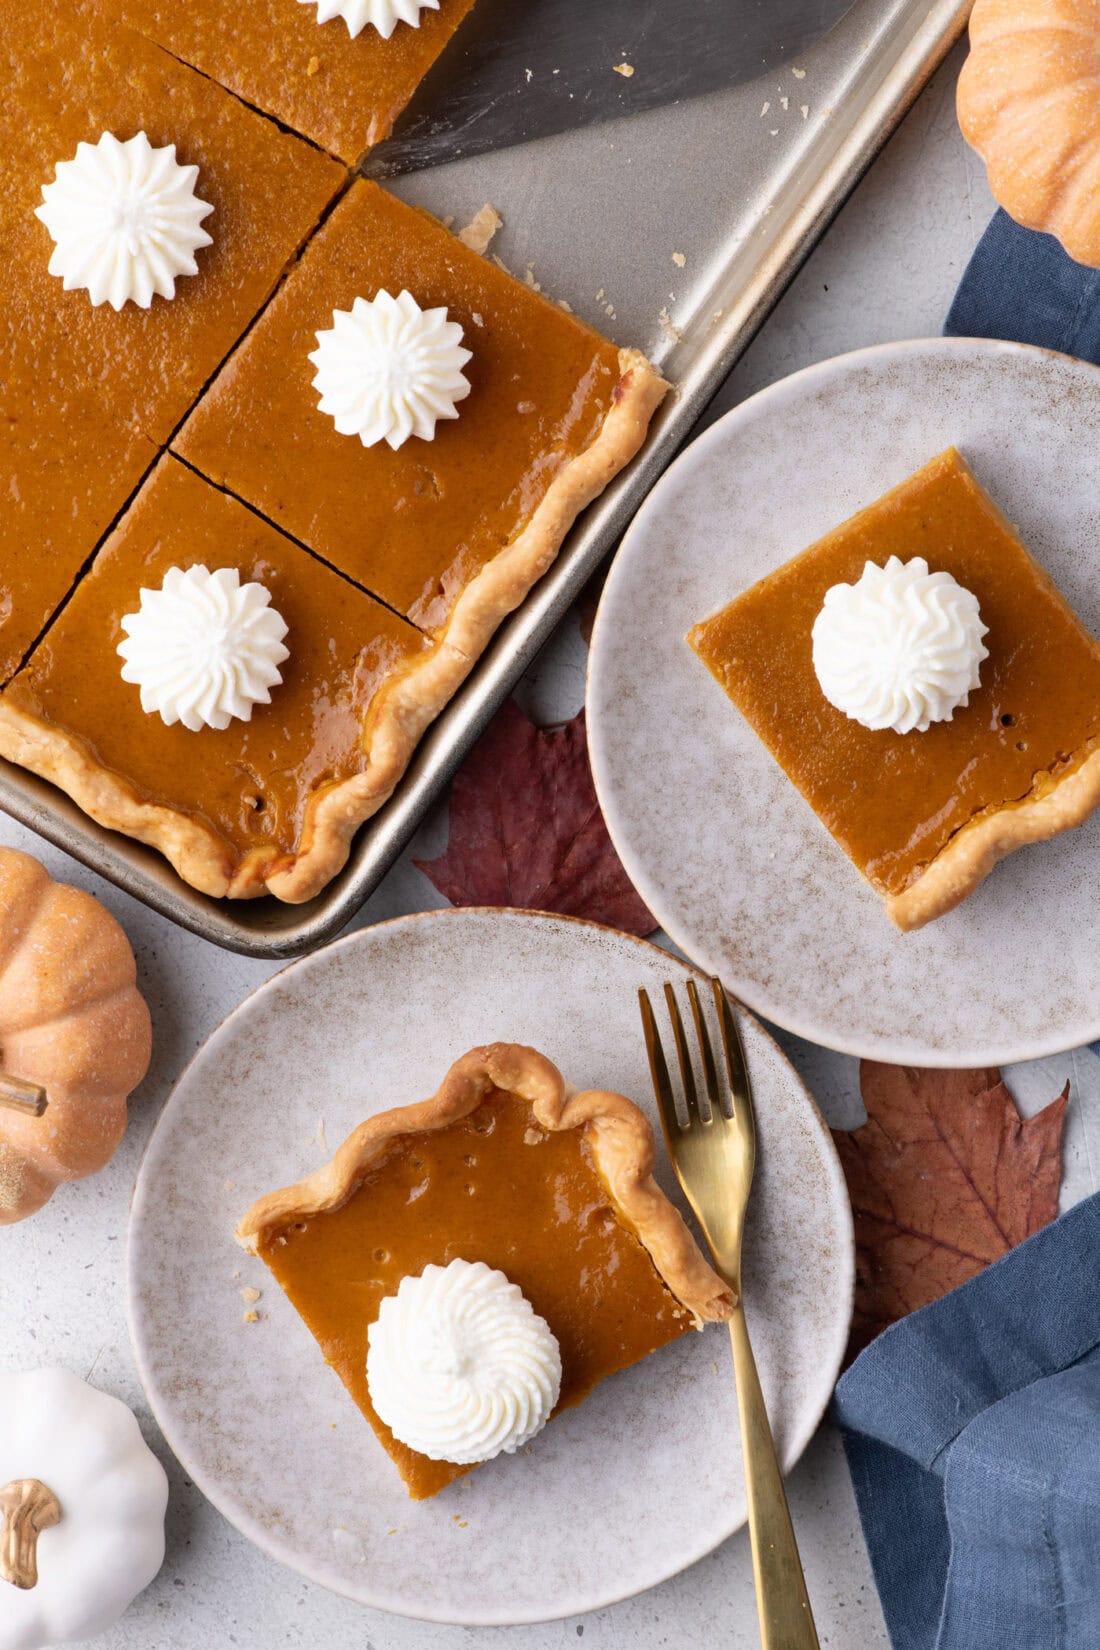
(1029, 103)
(72, 1021)
(81, 1144)
(989, 30)
(1072, 198)
(94, 961)
(1046, 13)
(1020, 76)
(24, 885)
(68, 1052)
(1036, 180)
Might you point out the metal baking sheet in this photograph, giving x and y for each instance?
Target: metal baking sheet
(488, 90)
(738, 183)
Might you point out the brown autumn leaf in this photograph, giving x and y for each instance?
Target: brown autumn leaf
(526, 829)
(944, 1177)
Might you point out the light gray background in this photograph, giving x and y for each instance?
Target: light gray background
(886, 269)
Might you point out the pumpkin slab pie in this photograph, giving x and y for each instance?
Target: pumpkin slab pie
(341, 89)
(266, 190)
(520, 1185)
(89, 392)
(257, 804)
(451, 531)
(927, 812)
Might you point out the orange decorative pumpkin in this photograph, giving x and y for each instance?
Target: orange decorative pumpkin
(1029, 103)
(74, 1034)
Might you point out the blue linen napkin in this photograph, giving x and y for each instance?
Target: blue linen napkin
(1020, 285)
(972, 1430)
(972, 1427)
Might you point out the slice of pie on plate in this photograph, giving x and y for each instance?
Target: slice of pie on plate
(1013, 758)
(508, 1168)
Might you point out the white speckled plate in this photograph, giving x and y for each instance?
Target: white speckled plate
(718, 842)
(642, 1478)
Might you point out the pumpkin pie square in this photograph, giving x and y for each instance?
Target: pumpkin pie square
(68, 464)
(925, 815)
(267, 802)
(90, 394)
(509, 1166)
(70, 78)
(343, 92)
(452, 531)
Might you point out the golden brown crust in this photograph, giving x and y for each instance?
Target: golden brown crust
(400, 712)
(406, 704)
(197, 852)
(972, 852)
(620, 1136)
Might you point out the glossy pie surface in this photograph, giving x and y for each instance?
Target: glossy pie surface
(413, 525)
(252, 781)
(894, 801)
(90, 393)
(342, 93)
(493, 1187)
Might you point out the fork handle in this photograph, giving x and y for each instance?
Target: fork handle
(783, 1605)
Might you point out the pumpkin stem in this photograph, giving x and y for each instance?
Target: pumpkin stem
(19, 1095)
(27, 1508)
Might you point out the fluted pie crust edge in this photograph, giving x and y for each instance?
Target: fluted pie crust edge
(402, 709)
(1063, 803)
(622, 1147)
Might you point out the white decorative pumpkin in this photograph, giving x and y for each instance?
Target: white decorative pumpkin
(82, 1502)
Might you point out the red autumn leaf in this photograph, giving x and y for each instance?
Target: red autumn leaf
(526, 829)
(944, 1177)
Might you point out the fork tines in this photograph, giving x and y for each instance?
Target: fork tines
(723, 1099)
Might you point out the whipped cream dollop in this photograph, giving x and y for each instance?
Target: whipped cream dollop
(901, 648)
(125, 220)
(460, 1366)
(204, 648)
(388, 369)
(383, 15)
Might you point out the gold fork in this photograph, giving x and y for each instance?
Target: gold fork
(714, 1154)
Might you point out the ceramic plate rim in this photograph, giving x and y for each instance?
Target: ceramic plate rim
(255, 1532)
(762, 1004)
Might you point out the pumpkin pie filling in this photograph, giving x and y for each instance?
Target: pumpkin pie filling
(89, 393)
(451, 532)
(342, 92)
(478, 1178)
(895, 802)
(246, 789)
(416, 525)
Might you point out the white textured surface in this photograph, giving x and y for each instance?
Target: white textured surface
(886, 269)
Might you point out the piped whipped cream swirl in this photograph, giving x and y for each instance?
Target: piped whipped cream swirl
(204, 648)
(460, 1366)
(388, 369)
(125, 220)
(901, 648)
(383, 15)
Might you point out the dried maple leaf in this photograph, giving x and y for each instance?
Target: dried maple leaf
(526, 829)
(944, 1177)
